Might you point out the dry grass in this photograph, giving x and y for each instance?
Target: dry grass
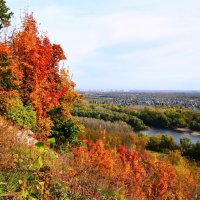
(15, 148)
(8, 145)
(114, 134)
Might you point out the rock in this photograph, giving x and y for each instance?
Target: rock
(26, 136)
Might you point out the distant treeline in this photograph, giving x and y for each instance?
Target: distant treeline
(141, 118)
(108, 114)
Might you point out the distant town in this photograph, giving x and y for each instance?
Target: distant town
(185, 99)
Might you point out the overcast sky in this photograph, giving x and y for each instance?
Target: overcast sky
(124, 44)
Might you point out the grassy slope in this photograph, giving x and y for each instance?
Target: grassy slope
(90, 171)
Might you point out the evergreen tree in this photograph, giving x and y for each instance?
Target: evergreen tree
(5, 14)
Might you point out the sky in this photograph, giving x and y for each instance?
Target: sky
(123, 44)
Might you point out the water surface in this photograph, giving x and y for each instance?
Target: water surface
(175, 134)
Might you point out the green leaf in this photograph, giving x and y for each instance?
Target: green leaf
(38, 162)
(51, 140)
(52, 155)
(39, 144)
(40, 147)
(31, 178)
(1, 191)
(35, 196)
(25, 193)
(41, 183)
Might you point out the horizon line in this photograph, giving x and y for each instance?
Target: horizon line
(135, 90)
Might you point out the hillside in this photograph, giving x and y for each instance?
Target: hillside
(91, 171)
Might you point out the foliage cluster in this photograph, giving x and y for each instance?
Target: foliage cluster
(65, 130)
(165, 143)
(161, 143)
(24, 171)
(171, 118)
(22, 115)
(140, 118)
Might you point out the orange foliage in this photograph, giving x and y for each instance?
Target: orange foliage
(98, 159)
(143, 176)
(38, 59)
(129, 173)
(70, 96)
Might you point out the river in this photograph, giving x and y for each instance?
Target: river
(175, 134)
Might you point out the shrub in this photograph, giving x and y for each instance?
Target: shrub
(194, 151)
(195, 125)
(57, 191)
(154, 142)
(185, 144)
(161, 143)
(136, 123)
(22, 115)
(167, 143)
(65, 130)
(141, 141)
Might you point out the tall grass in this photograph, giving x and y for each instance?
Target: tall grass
(9, 145)
(12, 157)
(114, 134)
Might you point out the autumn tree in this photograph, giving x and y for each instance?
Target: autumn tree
(30, 68)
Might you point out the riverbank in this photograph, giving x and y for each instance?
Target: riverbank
(187, 130)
